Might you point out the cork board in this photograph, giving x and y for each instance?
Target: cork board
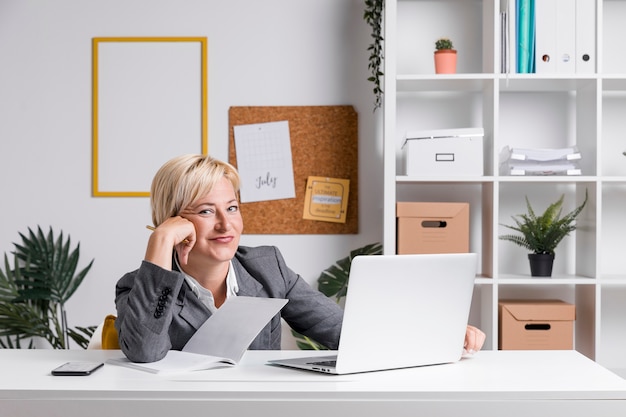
(324, 142)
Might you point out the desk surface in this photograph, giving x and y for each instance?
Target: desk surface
(509, 382)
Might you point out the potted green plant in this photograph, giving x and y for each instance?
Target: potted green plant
(445, 56)
(34, 291)
(542, 234)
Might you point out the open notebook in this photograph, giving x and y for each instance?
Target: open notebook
(401, 311)
(220, 341)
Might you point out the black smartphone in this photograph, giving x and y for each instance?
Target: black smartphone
(77, 368)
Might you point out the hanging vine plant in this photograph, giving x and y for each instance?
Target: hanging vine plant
(373, 15)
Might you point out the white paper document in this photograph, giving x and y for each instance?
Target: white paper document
(540, 161)
(220, 341)
(231, 329)
(544, 154)
(264, 161)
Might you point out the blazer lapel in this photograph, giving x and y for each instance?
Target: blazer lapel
(248, 286)
(191, 308)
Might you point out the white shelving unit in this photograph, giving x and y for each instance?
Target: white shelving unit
(518, 110)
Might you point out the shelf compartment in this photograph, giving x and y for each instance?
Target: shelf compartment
(575, 255)
(612, 229)
(551, 119)
(612, 41)
(420, 23)
(582, 296)
(429, 110)
(613, 83)
(612, 335)
(613, 147)
(480, 198)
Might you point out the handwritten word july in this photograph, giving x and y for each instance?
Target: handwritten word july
(268, 181)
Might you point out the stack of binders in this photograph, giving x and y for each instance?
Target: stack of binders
(548, 36)
(538, 161)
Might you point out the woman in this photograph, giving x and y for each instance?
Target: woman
(193, 263)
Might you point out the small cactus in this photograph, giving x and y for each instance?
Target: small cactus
(443, 43)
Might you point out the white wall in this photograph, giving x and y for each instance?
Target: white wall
(260, 53)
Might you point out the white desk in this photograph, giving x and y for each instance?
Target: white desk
(499, 383)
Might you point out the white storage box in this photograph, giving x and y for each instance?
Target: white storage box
(444, 152)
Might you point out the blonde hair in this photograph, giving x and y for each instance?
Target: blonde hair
(184, 179)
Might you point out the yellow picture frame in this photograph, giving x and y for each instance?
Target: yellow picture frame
(149, 104)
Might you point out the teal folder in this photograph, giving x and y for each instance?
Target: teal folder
(525, 36)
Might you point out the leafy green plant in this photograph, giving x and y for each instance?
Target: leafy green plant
(333, 282)
(542, 234)
(33, 293)
(443, 43)
(373, 15)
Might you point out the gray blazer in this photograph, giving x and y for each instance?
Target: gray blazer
(157, 311)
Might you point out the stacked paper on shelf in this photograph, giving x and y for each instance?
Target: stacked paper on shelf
(540, 161)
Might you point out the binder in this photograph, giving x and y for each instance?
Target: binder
(546, 21)
(566, 36)
(510, 35)
(585, 36)
(532, 36)
(525, 36)
(504, 42)
(555, 47)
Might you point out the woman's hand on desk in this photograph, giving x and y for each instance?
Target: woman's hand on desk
(474, 339)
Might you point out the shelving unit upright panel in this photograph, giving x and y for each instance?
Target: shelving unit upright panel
(389, 128)
(482, 314)
(587, 226)
(586, 325)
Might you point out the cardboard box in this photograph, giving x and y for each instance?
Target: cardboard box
(444, 152)
(536, 325)
(432, 227)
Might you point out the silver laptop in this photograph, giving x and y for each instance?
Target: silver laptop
(401, 311)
